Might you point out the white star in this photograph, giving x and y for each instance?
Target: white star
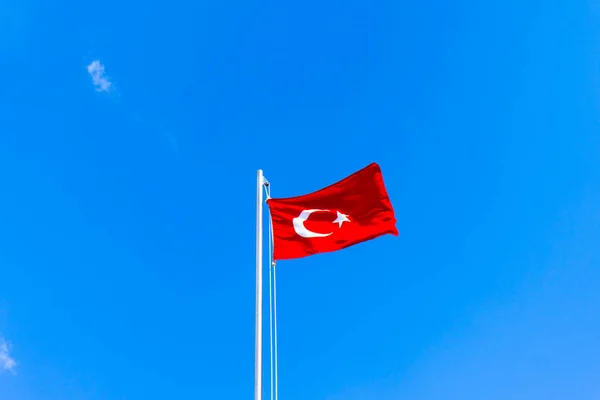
(341, 218)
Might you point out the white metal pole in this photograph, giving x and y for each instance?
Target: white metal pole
(259, 269)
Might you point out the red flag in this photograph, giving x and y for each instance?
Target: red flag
(353, 210)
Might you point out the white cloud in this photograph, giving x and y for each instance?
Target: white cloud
(99, 78)
(7, 363)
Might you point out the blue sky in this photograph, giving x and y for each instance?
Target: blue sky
(127, 223)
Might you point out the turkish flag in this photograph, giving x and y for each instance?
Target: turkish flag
(353, 210)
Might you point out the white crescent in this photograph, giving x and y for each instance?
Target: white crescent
(301, 229)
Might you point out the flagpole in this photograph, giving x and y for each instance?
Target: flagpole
(260, 181)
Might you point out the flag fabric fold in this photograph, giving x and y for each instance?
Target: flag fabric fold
(351, 211)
